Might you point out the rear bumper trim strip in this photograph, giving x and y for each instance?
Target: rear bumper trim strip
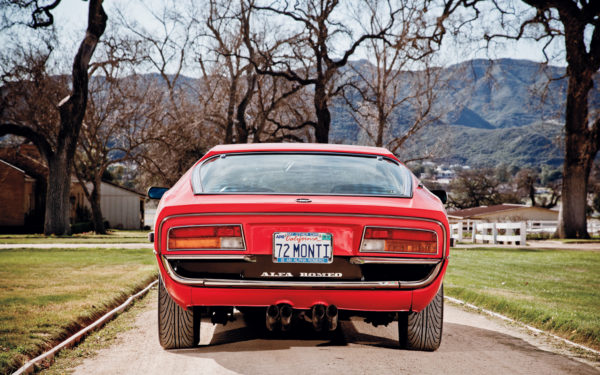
(381, 260)
(282, 284)
(245, 258)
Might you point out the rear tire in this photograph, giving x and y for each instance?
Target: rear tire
(177, 328)
(423, 330)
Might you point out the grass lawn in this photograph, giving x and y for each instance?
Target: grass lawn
(113, 236)
(68, 359)
(48, 294)
(554, 290)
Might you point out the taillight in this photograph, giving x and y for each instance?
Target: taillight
(397, 240)
(213, 237)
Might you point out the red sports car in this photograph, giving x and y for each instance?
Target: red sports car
(301, 232)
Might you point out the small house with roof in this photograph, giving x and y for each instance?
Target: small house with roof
(23, 175)
(17, 199)
(504, 212)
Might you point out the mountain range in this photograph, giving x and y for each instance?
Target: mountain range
(491, 112)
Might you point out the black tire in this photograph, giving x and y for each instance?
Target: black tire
(423, 330)
(177, 328)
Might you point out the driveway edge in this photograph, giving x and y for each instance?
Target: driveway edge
(528, 327)
(29, 367)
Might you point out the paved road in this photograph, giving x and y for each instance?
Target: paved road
(544, 244)
(472, 344)
(144, 245)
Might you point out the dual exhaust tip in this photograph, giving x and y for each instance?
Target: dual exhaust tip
(279, 315)
(322, 317)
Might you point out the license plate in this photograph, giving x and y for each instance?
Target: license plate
(292, 247)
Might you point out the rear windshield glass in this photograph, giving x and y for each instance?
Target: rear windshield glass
(317, 174)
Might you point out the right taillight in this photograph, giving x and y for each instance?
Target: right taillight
(209, 237)
(399, 240)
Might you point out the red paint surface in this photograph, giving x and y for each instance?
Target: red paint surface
(261, 215)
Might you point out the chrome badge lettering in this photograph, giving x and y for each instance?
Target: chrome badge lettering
(334, 275)
(321, 274)
(276, 274)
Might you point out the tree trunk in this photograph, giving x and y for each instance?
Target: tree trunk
(381, 122)
(323, 115)
(58, 210)
(96, 207)
(72, 111)
(572, 221)
(230, 110)
(242, 126)
(580, 151)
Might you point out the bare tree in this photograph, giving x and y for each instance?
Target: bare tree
(279, 110)
(112, 131)
(473, 188)
(244, 104)
(175, 109)
(226, 69)
(574, 23)
(58, 147)
(397, 78)
(525, 181)
(307, 54)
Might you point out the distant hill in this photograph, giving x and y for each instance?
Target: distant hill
(492, 114)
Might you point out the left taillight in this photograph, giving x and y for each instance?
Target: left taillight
(399, 240)
(209, 237)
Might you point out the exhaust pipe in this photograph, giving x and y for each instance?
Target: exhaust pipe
(285, 313)
(332, 317)
(318, 313)
(272, 317)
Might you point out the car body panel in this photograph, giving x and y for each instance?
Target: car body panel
(261, 215)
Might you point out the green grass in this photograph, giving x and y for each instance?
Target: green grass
(68, 359)
(554, 290)
(48, 294)
(113, 236)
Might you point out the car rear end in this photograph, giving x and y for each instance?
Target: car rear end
(348, 250)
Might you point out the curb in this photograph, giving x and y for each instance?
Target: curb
(528, 327)
(29, 367)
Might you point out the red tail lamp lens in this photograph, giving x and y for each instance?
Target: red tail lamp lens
(218, 237)
(399, 240)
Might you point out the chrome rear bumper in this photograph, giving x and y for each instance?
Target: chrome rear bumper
(282, 284)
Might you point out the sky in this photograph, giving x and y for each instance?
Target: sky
(72, 16)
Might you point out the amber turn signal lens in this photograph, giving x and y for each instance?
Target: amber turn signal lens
(399, 241)
(218, 237)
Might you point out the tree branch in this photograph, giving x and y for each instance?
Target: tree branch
(25, 131)
(43, 11)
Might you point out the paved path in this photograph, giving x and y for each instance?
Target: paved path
(144, 245)
(546, 245)
(472, 344)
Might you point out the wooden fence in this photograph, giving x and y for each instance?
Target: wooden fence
(508, 233)
(491, 233)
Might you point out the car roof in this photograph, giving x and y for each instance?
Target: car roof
(306, 147)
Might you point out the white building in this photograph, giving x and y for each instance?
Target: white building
(123, 208)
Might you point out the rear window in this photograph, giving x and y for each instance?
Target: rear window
(306, 174)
